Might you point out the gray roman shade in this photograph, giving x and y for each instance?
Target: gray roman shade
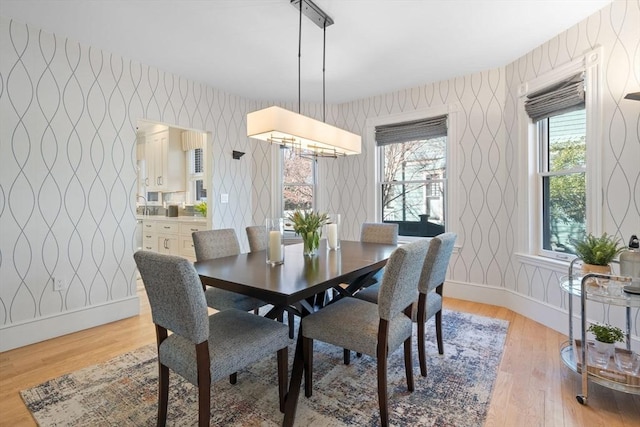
(414, 130)
(562, 97)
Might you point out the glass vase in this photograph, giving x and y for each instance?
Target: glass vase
(310, 241)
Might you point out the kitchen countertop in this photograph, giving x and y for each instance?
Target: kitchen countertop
(171, 218)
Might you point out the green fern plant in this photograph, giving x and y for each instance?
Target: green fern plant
(606, 333)
(598, 250)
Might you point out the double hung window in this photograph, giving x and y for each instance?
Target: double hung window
(413, 175)
(298, 182)
(559, 115)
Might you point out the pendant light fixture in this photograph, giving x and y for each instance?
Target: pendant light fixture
(306, 136)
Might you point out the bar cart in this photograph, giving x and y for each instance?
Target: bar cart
(574, 352)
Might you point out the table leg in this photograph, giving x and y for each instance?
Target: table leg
(297, 371)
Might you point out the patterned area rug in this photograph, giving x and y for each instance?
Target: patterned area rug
(456, 392)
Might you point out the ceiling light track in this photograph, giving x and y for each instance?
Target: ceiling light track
(313, 12)
(307, 137)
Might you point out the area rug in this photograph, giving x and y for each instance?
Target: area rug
(456, 391)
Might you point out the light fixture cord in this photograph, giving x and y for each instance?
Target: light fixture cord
(324, 49)
(299, 53)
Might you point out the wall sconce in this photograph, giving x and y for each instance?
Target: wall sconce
(237, 154)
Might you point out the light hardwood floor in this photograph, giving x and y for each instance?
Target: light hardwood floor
(533, 388)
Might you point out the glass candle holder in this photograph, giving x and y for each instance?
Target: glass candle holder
(332, 229)
(275, 243)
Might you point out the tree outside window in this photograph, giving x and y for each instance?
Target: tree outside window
(563, 173)
(298, 179)
(413, 186)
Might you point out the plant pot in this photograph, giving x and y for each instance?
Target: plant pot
(592, 268)
(600, 353)
(599, 269)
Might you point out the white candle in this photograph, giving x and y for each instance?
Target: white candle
(275, 246)
(332, 235)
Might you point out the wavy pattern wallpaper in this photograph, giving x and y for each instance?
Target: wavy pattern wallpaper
(67, 176)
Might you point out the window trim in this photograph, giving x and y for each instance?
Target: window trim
(529, 182)
(374, 196)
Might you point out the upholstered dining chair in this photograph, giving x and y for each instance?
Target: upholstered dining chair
(379, 232)
(202, 348)
(430, 288)
(257, 236)
(211, 244)
(375, 330)
(375, 232)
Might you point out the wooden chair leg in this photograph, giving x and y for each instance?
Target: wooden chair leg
(408, 365)
(346, 356)
(163, 394)
(307, 354)
(233, 378)
(283, 374)
(422, 352)
(204, 384)
(439, 331)
(439, 290)
(383, 336)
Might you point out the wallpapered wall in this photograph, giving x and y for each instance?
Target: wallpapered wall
(67, 187)
(67, 182)
(489, 146)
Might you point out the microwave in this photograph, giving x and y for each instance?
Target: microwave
(154, 198)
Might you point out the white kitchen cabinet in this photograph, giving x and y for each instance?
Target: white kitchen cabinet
(164, 161)
(172, 237)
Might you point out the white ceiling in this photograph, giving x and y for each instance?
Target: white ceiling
(250, 47)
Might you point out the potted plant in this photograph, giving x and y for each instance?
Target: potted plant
(606, 336)
(202, 208)
(597, 252)
(308, 225)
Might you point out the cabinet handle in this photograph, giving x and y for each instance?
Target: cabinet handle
(148, 248)
(165, 244)
(167, 227)
(194, 229)
(146, 182)
(147, 236)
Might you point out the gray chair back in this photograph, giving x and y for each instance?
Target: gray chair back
(436, 262)
(211, 244)
(375, 232)
(399, 288)
(257, 236)
(175, 294)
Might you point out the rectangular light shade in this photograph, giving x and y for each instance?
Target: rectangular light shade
(275, 124)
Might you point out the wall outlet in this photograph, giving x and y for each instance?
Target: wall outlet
(224, 198)
(59, 284)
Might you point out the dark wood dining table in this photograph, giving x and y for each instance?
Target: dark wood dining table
(294, 284)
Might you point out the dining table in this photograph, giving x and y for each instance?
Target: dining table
(294, 285)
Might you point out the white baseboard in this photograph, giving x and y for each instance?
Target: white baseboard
(44, 328)
(541, 312)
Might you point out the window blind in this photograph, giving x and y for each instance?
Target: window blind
(192, 140)
(414, 130)
(562, 97)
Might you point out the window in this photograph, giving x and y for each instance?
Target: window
(196, 175)
(560, 168)
(298, 182)
(413, 175)
(562, 144)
